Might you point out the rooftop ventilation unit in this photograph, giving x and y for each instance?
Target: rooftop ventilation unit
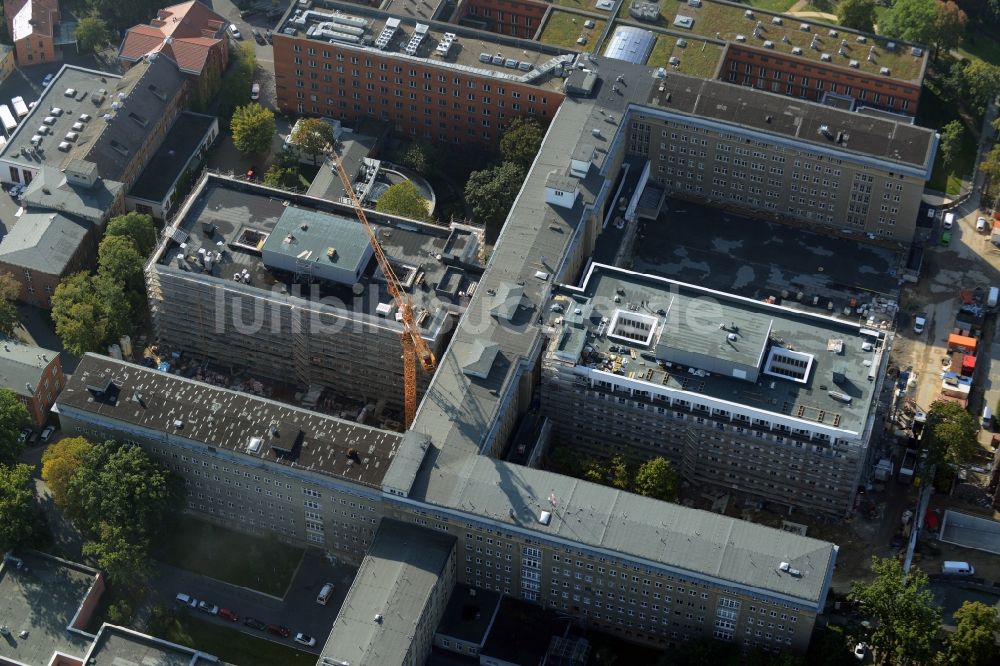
(825, 57)
(854, 64)
(776, 20)
(796, 51)
(70, 92)
(884, 71)
(63, 146)
(768, 44)
(254, 445)
(72, 136)
(85, 117)
(545, 517)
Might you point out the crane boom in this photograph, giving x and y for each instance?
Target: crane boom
(414, 347)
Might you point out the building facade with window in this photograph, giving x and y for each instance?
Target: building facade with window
(34, 374)
(436, 81)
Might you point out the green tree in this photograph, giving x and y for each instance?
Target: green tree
(253, 129)
(312, 136)
(78, 314)
(13, 418)
(403, 199)
(912, 20)
(656, 478)
(120, 267)
(91, 33)
(10, 289)
(17, 506)
(990, 166)
(982, 81)
(521, 141)
(59, 463)
(952, 136)
(121, 485)
(491, 192)
(136, 226)
(974, 640)
(949, 25)
(278, 175)
(123, 556)
(619, 473)
(950, 434)
(124, 14)
(903, 611)
(420, 156)
(857, 14)
(596, 472)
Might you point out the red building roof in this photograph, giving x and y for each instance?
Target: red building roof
(186, 33)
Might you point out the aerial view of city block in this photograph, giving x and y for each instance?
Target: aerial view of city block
(500, 332)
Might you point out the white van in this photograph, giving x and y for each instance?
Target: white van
(234, 31)
(949, 220)
(958, 568)
(987, 416)
(981, 224)
(325, 594)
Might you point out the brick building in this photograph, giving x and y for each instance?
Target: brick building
(189, 33)
(32, 26)
(34, 374)
(516, 18)
(437, 81)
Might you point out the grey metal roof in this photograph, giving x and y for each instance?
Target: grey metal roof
(50, 190)
(847, 133)
(22, 364)
(229, 420)
(178, 146)
(403, 566)
(460, 415)
(118, 646)
(301, 231)
(352, 149)
(630, 44)
(43, 241)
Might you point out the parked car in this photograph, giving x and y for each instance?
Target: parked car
(254, 623)
(47, 80)
(267, 36)
(946, 238)
(32, 438)
(206, 607)
(279, 630)
(919, 323)
(982, 224)
(229, 614)
(186, 599)
(47, 434)
(23, 437)
(258, 37)
(303, 639)
(255, 91)
(234, 31)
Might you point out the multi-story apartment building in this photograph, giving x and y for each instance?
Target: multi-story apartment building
(433, 80)
(35, 30)
(285, 287)
(34, 374)
(756, 400)
(769, 156)
(517, 18)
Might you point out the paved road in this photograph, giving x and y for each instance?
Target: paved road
(298, 610)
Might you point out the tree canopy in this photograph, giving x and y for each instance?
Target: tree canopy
(952, 136)
(857, 14)
(235, 88)
(903, 612)
(912, 20)
(122, 555)
(17, 506)
(91, 33)
(521, 140)
(253, 129)
(312, 136)
(136, 226)
(59, 463)
(974, 641)
(119, 261)
(13, 417)
(10, 289)
(125, 13)
(981, 82)
(420, 156)
(656, 478)
(403, 199)
(949, 25)
(491, 192)
(79, 315)
(990, 165)
(950, 433)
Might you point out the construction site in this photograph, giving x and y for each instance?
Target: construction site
(283, 294)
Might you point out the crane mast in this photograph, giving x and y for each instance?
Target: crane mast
(415, 349)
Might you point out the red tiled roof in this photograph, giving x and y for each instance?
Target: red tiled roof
(193, 30)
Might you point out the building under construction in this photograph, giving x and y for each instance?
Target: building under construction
(285, 287)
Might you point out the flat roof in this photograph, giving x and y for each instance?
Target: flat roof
(845, 133)
(352, 149)
(395, 583)
(700, 321)
(230, 420)
(22, 364)
(630, 44)
(469, 614)
(117, 646)
(44, 601)
(235, 209)
(724, 21)
(440, 461)
(309, 235)
(477, 51)
(43, 241)
(167, 163)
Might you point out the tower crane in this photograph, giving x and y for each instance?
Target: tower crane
(415, 349)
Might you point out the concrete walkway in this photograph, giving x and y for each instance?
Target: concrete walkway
(823, 16)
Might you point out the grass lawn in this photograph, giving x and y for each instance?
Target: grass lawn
(564, 28)
(230, 645)
(661, 51)
(772, 5)
(699, 59)
(935, 113)
(266, 565)
(981, 47)
(587, 5)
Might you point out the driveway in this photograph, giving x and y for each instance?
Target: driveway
(298, 610)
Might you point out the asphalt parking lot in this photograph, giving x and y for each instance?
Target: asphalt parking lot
(757, 259)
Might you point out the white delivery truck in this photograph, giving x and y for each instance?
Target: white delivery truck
(953, 568)
(20, 108)
(7, 118)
